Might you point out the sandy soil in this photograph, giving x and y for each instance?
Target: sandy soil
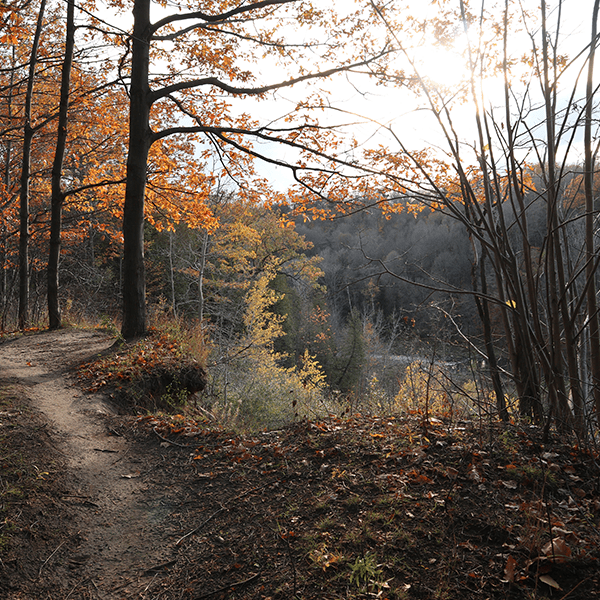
(119, 533)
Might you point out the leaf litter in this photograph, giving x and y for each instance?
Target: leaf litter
(292, 513)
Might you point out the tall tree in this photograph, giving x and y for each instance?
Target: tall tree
(6, 201)
(211, 41)
(28, 133)
(591, 210)
(58, 197)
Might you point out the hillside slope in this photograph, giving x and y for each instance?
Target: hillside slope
(100, 505)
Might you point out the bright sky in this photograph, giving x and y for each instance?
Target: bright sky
(407, 114)
(401, 109)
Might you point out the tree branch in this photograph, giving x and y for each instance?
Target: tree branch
(207, 18)
(257, 91)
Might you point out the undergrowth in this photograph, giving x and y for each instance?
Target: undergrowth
(242, 384)
(176, 368)
(159, 372)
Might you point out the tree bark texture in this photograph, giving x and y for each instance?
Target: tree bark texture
(28, 133)
(54, 314)
(589, 221)
(140, 140)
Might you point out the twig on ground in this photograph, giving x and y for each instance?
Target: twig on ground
(151, 582)
(292, 562)
(571, 591)
(178, 542)
(161, 567)
(55, 551)
(228, 587)
(75, 587)
(246, 493)
(164, 439)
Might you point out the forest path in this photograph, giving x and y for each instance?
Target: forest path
(120, 535)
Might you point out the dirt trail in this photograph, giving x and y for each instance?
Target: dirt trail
(120, 532)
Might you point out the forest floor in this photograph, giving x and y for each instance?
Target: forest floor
(100, 505)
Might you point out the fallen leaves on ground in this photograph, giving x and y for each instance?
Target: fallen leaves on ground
(130, 363)
(153, 373)
(450, 511)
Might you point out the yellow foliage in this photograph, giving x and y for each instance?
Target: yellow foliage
(262, 393)
(420, 390)
(311, 373)
(263, 327)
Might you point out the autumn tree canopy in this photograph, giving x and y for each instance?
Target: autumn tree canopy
(208, 58)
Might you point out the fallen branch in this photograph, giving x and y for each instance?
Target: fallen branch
(164, 439)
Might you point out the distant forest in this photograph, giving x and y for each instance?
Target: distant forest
(388, 268)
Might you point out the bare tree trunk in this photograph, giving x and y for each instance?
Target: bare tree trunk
(553, 254)
(570, 349)
(484, 316)
(594, 332)
(201, 271)
(7, 180)
(54, 314)
(140, 140)
(172, 275)
(28, 133)
(517, 331)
